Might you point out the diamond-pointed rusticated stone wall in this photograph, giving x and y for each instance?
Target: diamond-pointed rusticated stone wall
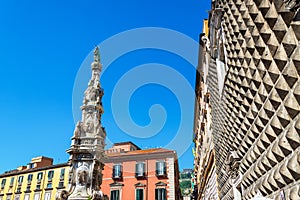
(256, 106)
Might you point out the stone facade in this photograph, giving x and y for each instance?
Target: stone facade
(252, 54)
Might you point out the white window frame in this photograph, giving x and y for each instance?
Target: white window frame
(47, 196)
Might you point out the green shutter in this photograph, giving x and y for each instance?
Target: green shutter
(137, 169)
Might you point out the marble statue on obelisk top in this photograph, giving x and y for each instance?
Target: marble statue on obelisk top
(88, 141)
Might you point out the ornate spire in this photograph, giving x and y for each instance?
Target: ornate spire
(87, 148)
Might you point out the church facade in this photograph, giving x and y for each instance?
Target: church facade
(247, 115)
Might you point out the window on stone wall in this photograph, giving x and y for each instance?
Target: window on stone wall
(161, 169)
(3, 183)
(139, 194)
(140, 169)
(114, 194)
(117, 171)
(160, 194)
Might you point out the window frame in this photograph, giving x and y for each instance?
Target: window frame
(140, 189)
(3, 183)
(20, 179)
(50, 175)
(118, 194)
(138, 173)
(39, 177)
(12, 180)
(161, 196)
(29, 178)
(120, 171)
(161, 168)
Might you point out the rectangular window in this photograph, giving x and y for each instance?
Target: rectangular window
(47, 196)
(8, 197)
(29, 178)
(3, 183)
(28, 188)
(36, 196)
(140, 169)
(27, 197)
(62, 173)
(50, 175)
(139, 194)
(20, 180)
(160, 194)
(61, 184)
(19, 190)
(17, 197)
(117, 171)
(39, 177)
(12, 180)
(31, 165)
(49, 185)
(161, 169)
(38, 187)
(114, 195)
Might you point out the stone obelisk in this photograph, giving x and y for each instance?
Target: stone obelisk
(87, 148)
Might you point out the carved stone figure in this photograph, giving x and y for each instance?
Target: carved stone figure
(97, 195)
(96, 55)
(292, 4)
(233, 164)
(82, 177)
(63, 195)
(77, 131)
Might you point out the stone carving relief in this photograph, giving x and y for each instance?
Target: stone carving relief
(63, 195)
(292, 4)
(82, 179)
(232, 164)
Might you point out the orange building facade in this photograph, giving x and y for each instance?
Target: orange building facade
(132, 173)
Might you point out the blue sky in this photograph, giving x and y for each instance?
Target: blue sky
(43, 46)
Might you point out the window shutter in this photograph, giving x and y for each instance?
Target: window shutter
(114, 171)
(164, 197)
(121, 170)
(165, 168)
(137, 169)
(117, 194)
(144, 169)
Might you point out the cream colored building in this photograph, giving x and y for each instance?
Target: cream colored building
(39, 180)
